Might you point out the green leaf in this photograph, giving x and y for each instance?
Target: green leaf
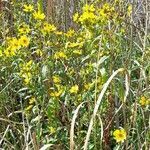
(40, 5)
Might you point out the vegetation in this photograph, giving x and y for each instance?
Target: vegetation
(80, 87)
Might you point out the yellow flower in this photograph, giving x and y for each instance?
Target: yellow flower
(24, 29)
(70, 33)
(143, 101)
(28, 8)
(78, 52)
(75, 17)
(29, 108)
(24, 41)
(27, 66)
(13, 46)
(89, 17)
(56, 79)
(129, 10)
(38, 15)
(52, 130)
(16, 45)
(75, 44)
(56, 93)
(74, 89)
(88, 86)
(59, 55)
(13, 43)
(88, 34)
(88, 8)
(31, 100)
(9, 52)
(106, 12)
(27, 77)
(120, 135)
(25, 72)
(48, 28)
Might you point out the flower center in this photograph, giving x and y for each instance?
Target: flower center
(120, 135)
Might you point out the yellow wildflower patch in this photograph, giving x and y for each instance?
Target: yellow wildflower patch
(88, 15)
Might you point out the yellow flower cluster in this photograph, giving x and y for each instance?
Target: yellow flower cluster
(15, 44)
(39, 15)
(56, 79)
(75, 44)
(47, 28)
(70, 33)
(31, 102)
(60, 55)
(91, 15)
(88, 15)
(106, 12)
(144, 101)
(24, 29)
(25, 72)
(57, 92)
(74, 89)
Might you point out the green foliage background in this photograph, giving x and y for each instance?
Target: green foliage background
(66, 63)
